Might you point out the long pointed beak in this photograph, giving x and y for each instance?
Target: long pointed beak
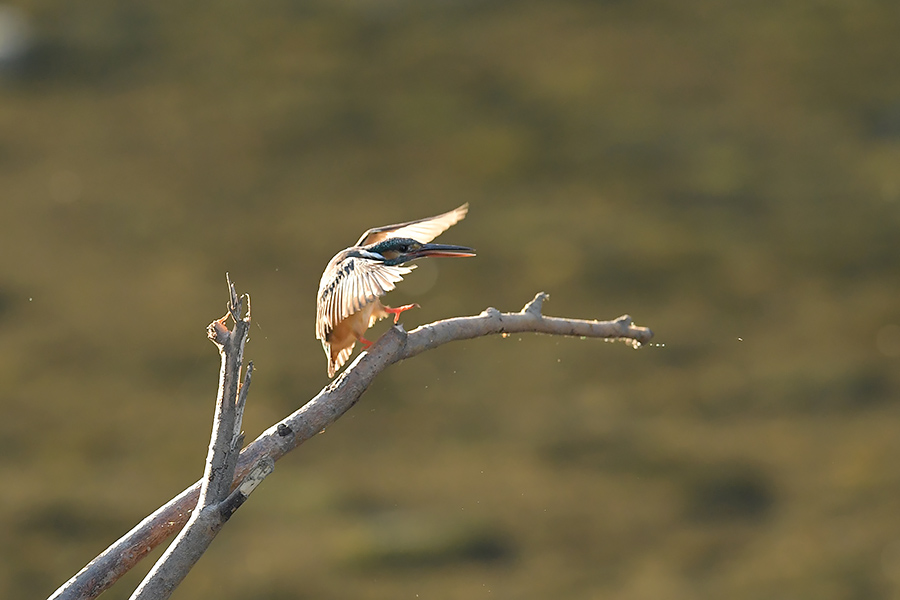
(440, 250)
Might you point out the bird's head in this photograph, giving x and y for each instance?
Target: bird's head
(397, 251)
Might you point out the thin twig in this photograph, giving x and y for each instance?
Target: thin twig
(241, 403)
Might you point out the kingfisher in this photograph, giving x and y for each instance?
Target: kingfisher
(348, 300)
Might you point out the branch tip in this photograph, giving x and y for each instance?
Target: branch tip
(234, 302)
(534, 307)
(247, 316)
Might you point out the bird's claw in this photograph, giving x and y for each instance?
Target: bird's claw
(396, 311)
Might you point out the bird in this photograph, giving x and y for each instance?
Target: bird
(348, 301)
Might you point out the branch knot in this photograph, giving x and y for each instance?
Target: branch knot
(534, 307)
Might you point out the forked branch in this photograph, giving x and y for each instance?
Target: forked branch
(216, 502)
(258, 458)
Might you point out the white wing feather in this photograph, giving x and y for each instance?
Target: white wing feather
(421, 230)
(353, 283)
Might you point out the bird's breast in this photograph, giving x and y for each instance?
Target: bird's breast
(351, 328)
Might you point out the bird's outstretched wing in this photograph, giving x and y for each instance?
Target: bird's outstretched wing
(348, 284)
(422, 230)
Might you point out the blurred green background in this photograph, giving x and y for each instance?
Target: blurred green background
(726, 173)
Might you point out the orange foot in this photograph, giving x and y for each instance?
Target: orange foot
(396, 311)
(365, 343)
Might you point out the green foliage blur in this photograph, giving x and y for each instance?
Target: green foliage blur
(728, 173)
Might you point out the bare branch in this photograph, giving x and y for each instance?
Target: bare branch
(130, 549)
(224, 447)
(323, 410)
(217, 477)
(529, 319)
